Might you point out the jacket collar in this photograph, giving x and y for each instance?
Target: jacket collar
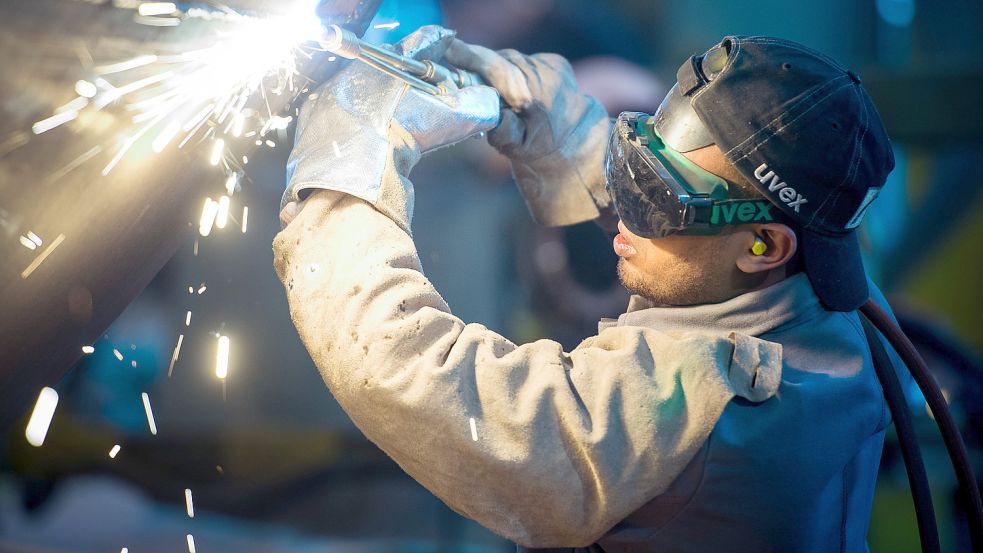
(789, 302)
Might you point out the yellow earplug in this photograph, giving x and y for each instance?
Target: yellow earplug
(759, 247)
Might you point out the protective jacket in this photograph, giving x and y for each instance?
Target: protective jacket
(794, 473)
(544, 447)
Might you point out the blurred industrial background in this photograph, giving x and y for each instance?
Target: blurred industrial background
(272, 462)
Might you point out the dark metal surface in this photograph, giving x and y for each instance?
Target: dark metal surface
(104, 238)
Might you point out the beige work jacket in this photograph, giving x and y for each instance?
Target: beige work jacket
(544, 447)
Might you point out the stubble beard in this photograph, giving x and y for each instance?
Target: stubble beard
(677, 285)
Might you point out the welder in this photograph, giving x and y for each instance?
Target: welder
(733, 407)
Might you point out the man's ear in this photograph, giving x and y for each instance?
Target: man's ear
(780, 246)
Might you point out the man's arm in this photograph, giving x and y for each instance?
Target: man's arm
(567, 444)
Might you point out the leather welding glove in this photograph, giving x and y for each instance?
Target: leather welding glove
(555, 136)
(363, 131)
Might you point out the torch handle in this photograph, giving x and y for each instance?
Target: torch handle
(346, 44)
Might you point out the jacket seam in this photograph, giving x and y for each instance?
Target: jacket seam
(689, 501)
(843, 514)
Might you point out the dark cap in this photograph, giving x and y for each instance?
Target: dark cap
(803, 130)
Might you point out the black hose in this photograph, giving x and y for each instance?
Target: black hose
(928, 530)
(947, 426)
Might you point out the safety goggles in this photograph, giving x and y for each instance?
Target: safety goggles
(657, 191)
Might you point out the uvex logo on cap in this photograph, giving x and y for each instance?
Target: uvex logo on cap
(774, 183)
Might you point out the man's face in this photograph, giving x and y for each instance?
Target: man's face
(686, 270)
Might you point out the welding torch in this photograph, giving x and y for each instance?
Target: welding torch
(424, 75)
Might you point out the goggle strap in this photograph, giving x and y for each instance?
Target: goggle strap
(718, 213)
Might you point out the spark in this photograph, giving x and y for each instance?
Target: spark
(217, 150)
(114, 451)
(277, 123)
(187, 319)
(133, 364)
(222, 358)
(55, 120)
(74, 164)
(133, 63)
(231, 182)
(208, 213)
(245, 160)
(222, 216)
(34, 238)
(124, 550)
(157, 8)
(117, 354)
(237, 125)
(191, 544)
(150, 413)
(474, 430)
(40, 259)
(337, 150)
(86, 89)
(202, 288)
(189, 503)
(191, 290)
(391, 25)
(88, 350)
(175, 355)
(165, 137)
(271, 144)
(245, 218)
(44, 410)
(28, 243)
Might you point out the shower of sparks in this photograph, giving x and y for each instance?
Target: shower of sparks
(189, 503)
(222, 358)
(205, 95)
(175, 355)
(191, 544)
(88, 350)
(150, 413)
(187, 319)
(114, 451)
(44, 410)
(117, 353)
(474, 430)
(245, 218)
(222, 216)
(40, 258)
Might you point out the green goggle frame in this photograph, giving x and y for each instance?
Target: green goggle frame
(658, 191)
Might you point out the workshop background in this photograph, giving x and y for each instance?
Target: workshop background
(271, 461)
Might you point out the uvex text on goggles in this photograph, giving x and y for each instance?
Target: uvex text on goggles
(657, 191)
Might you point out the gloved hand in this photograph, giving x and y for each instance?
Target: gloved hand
(362, 131)
(557, 138)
